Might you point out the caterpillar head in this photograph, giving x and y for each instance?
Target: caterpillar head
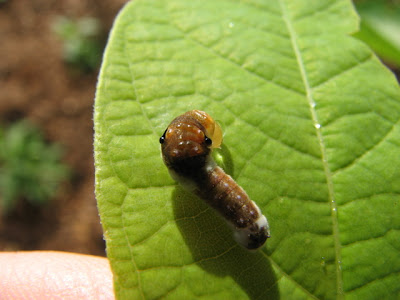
(188, 141)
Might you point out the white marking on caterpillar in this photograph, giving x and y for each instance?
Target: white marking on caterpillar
(186, 147)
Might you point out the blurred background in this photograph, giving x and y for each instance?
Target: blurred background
(50, 54)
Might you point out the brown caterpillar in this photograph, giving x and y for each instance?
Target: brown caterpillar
(186, 147)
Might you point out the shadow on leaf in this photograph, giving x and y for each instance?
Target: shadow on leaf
(211, 243)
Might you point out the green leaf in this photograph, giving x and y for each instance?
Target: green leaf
(380, 28)
(311, 124)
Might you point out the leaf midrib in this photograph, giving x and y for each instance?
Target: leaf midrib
(317, 126)
(327, 171)
(311, 103)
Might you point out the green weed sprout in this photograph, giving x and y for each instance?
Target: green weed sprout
(29, 168)
(82, 45)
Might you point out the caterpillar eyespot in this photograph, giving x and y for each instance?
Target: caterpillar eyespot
(208, 141)
(186, 147)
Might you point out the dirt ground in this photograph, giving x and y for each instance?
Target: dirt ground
(36, 84)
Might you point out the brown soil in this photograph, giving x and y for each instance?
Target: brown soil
(36, 84)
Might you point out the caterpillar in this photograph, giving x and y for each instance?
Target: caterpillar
(186, 147)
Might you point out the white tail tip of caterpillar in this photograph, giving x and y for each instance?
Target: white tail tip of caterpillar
(254, 236)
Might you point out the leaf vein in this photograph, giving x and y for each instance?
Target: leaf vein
(367, 151)
(344, 71)
(236, 64)
(290, 278)
(311, 102)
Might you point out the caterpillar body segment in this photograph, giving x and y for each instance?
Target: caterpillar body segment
(186, 147)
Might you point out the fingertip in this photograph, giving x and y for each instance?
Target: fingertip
(52, 275)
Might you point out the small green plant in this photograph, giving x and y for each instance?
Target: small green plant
(82, 45)
(29, 168)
